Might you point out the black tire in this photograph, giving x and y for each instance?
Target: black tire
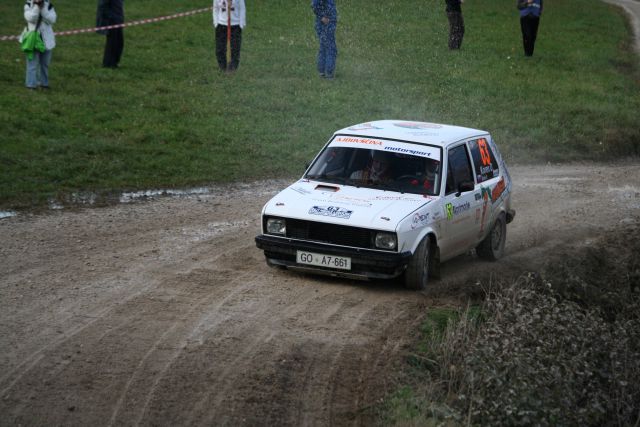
(417, 274)
(492, 247)
(273, 265)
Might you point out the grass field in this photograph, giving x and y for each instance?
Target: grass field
(167, 118)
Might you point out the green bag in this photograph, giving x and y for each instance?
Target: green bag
(31, 42)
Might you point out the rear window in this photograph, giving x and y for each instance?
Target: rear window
(484, 160)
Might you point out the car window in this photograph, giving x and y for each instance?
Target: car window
(332, 163)
(379, 169)
(459, 168)
(484, 160)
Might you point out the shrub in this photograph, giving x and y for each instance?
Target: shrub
(542, 360)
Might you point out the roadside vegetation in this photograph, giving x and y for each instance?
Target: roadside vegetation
(556, 347)
(168, 119)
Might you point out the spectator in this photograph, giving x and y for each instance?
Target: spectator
(530, 11)
(111, 12)
(326, 22)
(40, 16)
(228, 25)
(456, 23)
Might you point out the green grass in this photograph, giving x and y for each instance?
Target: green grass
(166, 118)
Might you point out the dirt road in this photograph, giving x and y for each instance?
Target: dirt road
(164, 312)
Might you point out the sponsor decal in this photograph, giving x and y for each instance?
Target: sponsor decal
(411, 151)
(456, 210)
(400, 199)
(497, 190)
(417, 125)
(301, 190)
(364, 126)
(363, 204)
(356, 140)
(419, 220)
(484, 152)
(355, 201)
(486, 195)
(397, 147)
(486, 170)
(423, 133)
(332, 211)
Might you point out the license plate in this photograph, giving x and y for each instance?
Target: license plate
(321, 260)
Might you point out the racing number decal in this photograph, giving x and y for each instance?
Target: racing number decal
(484, 152)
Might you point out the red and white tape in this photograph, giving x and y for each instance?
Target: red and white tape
(126, 24)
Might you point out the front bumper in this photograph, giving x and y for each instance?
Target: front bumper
(365, 263)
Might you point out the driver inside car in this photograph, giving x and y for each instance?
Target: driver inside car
(425, 178)
(377, 170)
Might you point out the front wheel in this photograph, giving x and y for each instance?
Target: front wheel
(492, 247)
(417, 274)
(274, 265)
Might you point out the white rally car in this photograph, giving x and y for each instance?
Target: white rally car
(391, 198)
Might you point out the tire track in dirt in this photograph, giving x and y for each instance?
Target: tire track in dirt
(165, 312)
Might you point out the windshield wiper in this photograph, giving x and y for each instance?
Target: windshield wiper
(388, 186)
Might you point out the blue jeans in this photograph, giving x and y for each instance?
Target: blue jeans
(38, 69)
(328, 50)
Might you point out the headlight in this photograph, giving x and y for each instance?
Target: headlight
(386, 241)
(276, 226)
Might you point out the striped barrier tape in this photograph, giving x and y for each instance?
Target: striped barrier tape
(126, 24)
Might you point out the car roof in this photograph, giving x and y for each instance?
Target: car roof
(422, 132)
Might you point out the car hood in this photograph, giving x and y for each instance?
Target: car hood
(343, 204)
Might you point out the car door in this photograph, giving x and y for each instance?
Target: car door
(490, 183)
(460, 204)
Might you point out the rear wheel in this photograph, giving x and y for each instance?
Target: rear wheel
(492, 247)
(417, 274)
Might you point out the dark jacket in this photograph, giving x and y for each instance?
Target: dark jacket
(110, 12)
(534, 9)
(324, 8)
(454, 5)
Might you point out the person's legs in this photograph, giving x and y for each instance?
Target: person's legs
(45, 60)
(113, 48)
(330, 49)
(118, 45)
(108, 59)
(456, 29)
(31, 80)
(321, 58)
(221, 46)
(535, 21)
(529, 26)
(236, 42)
(460, 30)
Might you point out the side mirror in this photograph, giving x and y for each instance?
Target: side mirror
(465, 186)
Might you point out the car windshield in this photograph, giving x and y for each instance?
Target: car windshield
(376, 168)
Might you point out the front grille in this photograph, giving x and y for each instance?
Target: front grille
(342, 235)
